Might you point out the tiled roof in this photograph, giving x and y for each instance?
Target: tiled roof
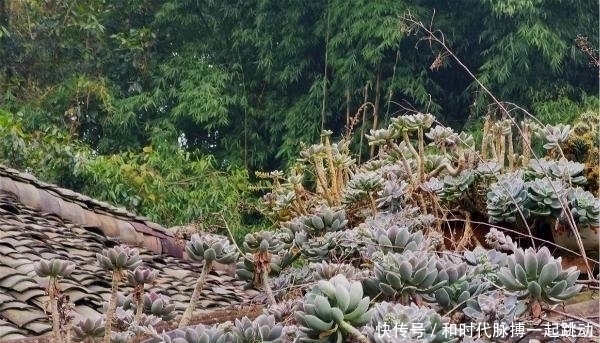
(81, 209)
(38, 221)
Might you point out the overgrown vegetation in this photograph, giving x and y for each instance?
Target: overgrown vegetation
(246, 81)
(373, 230)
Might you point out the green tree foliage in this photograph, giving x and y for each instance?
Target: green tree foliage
(247, 81)
(162, 181)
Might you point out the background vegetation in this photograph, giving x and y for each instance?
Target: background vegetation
(166, 107)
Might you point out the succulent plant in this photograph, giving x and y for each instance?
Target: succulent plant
(553, 134)
(361, 186)
(393, 322)
(412, 122)
(141, 276)
(272, 242)
(333, 309)
(464, 140)
(197, 334)
(54, 268)
(539, 275)
(262, 329)
(568, 171)
(88, 329)
(584, 207)
(350, 244)
(159, 305)
(499, 240)
(544, 197)
(210, 249)
(391, 193)
(316, 248)
(433, 185)
(493, 308)
(283, 311)
(441, 136)
(458, 285)
(119, 258)
(456, 295)
(398, 239)
(485, 262)
(381, 136)
(455, 186)
(325, 271)
(324, 220)
(506, 199)
(407, 273)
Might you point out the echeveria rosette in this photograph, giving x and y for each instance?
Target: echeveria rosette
(544, 197)
(538, 275)
(412, 122)
(397, 239)
(407, 273)
(88, 329)
(117, 260)
(138, 278)
(584, 207)
(262, 329)
(456, 186)
(325, 219)
(493, 308)
(197, 334)
(275, 241)
(459, 284)
(506, 199)
(54, 268)
(208, 250)
(388, 316)
(332, 310)
(568, 171)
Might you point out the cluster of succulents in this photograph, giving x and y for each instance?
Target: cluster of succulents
(362, 187)
(495, 307)
(325, 219)
(394, 322)
(373, 231)
(152, 304)
(459, 284)
(455, 186)
(538, 275)
(262, 329)
(407, 273)
(506, 199)
(88, 329)
(398, 239)
(568, 171)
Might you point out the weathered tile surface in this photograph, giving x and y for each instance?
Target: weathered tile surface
(31, 232)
